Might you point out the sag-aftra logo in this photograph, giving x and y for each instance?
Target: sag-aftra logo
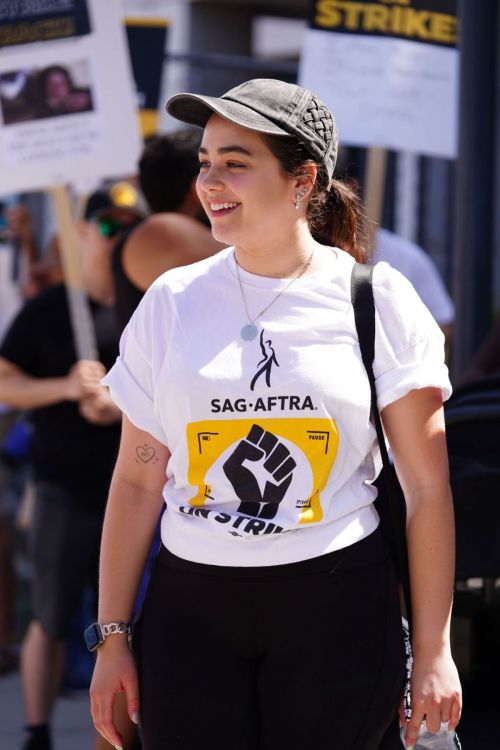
(262, 404)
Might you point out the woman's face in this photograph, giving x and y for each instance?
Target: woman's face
(57, 88)
(242, 187)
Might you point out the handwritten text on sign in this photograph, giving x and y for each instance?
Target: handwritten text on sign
(385, 90)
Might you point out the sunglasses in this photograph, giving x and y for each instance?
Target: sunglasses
(109, 227)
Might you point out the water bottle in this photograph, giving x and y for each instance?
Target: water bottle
(426, 740)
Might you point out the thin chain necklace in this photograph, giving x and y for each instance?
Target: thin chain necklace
(249, 330)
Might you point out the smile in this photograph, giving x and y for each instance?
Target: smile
(223, 208)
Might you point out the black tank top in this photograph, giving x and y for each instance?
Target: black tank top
(127, 295)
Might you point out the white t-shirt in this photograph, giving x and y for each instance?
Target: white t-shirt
(418, 267)
(272, 448)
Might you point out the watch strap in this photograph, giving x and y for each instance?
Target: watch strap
(110, 628)
(96, 634)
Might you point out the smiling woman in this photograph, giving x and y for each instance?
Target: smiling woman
(243, 374)
(238, 182)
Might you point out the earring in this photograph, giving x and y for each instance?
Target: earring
(298, 199)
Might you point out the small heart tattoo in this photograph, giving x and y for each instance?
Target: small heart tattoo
(145, 453)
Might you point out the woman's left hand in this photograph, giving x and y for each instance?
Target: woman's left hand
(436, 695)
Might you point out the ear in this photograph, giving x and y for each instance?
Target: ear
(305, 179)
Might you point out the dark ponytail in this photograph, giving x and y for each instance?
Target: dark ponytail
(335, 213)
(336, 217)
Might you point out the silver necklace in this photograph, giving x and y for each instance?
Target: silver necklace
(250, 330)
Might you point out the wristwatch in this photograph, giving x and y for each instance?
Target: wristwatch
(96, 634)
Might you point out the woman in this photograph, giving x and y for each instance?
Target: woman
(58, 94)
(272, 618)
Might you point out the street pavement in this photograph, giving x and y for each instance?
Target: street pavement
(72, 726)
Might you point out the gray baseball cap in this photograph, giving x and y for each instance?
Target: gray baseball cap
(268, 106)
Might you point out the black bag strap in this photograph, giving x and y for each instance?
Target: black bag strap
(364, 317)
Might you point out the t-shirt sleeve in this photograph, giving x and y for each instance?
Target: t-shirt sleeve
(18, 343)
(409, 345)
(133, 378)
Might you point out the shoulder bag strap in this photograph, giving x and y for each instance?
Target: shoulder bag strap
(364, 316)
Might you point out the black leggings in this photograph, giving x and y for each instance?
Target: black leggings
(302, 656)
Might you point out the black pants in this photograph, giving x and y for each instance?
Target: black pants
(307, 655)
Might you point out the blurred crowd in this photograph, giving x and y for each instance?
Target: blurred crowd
(59, 430)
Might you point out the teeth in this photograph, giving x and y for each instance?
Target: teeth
(221, 206)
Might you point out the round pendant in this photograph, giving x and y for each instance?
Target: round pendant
(249, 332)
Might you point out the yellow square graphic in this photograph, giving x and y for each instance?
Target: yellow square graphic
(316, 440)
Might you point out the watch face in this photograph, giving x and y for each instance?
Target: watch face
(93, 637)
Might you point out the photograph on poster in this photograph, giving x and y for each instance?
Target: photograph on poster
(51, 91)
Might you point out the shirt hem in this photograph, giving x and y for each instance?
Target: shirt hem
(197, 546)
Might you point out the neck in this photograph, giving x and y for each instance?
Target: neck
(279, 258)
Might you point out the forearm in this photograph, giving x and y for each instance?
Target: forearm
(416, 431)
(131, 517)
(25, 392)
(134, 505)
(431, 552)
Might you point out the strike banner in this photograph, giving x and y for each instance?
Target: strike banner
(389, 71)
(67, 105)
(27, 21)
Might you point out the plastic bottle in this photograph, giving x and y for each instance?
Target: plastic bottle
(426, 740)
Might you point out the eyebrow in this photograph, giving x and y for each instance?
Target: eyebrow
(228, 150)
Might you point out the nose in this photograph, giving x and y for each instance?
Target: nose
(210, 180)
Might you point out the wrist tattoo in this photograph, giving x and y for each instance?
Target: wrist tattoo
(145, 453)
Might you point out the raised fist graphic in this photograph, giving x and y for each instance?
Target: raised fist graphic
(264, 447)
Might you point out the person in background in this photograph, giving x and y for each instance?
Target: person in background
(47, 271)
(18, 253)
(24, 249)
(408, 258)
(176, 233)
(418, 267)
(8, 657)
(75, 437)
(272, 560)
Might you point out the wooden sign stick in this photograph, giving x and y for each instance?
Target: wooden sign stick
(81, 318)
(376, 168)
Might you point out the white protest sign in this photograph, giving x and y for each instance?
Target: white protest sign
(67, 102)
(388, 70)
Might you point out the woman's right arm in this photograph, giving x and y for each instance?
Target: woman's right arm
(132, 512)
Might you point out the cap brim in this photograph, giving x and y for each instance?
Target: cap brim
(195, 109)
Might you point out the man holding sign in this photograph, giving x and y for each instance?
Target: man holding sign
(75, 437)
